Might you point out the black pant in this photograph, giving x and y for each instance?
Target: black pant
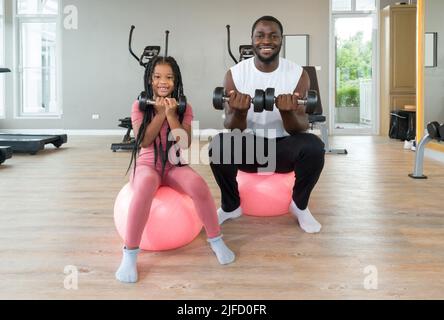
(302, 153)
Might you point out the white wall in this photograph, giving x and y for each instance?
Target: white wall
(99, 75)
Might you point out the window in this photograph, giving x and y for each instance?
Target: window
(2, 59)
(342, 5)
(37, 7)
(37, 24)
(353, 5)
(365, 5)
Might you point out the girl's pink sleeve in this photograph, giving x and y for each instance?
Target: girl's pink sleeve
(188, 116)
(136, 114)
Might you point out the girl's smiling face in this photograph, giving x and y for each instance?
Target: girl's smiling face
(163, 80)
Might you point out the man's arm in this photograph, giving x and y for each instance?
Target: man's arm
(294, 118)
(236, 109)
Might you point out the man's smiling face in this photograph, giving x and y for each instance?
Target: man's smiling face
(267, 41)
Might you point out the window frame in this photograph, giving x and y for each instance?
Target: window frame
(19, 20)
(353, 9)
(3, 59)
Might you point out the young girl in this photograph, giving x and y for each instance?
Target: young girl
(163, 83)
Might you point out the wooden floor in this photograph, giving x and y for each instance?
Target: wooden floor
(56, 209)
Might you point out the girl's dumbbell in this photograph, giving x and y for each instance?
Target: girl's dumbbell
(310, 102)
(145, 103)
(219, 98)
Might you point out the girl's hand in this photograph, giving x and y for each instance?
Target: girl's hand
(170, 107)
(160, 106)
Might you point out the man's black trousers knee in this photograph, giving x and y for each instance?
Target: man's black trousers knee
(302, 153)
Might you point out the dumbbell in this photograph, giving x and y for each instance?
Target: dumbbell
(145, 103)
(263, 100)
(310, 102)
(434, 130)
(441, 132)
(219, 98)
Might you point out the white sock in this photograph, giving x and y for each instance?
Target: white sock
(306, 221)
(127, 271)
(222, 215)
(223, 253)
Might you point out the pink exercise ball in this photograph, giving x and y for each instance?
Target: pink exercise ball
(172, 223)
(265, 195)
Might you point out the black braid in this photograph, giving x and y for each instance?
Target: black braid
(149, 114)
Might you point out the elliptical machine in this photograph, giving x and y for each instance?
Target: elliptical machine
(149, 53)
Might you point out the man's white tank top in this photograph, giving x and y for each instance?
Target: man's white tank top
(247, 78)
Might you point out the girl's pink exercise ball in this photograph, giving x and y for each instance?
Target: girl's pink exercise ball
(172, 223)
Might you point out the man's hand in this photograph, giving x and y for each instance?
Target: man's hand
(289, 102)
(239, 102)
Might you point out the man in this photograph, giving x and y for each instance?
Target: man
(281, 131)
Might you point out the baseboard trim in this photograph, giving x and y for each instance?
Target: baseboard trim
(115, 132)
(434, 155)
(197, 134)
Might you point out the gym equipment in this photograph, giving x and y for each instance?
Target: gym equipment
(128, 142)
(310, 102)
(5, 153)
(441, 131)
(172, 223)
(26, 143)
(219, 99)
(245, 51)
(265, 195)
(145, 103)
(434, 132)
(149, 53)
(316, 117)
(263, 100)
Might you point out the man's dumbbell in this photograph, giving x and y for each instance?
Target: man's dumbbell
(145, 103)
(219, 98)
(310, 102)
(433, 130)
(263, 100)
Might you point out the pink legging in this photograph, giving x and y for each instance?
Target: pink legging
(145, 183)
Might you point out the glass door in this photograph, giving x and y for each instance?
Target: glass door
(354, 107)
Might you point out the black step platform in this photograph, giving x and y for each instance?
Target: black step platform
(128, 143)
(31, 144)
(5, 153)
(123, 146)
